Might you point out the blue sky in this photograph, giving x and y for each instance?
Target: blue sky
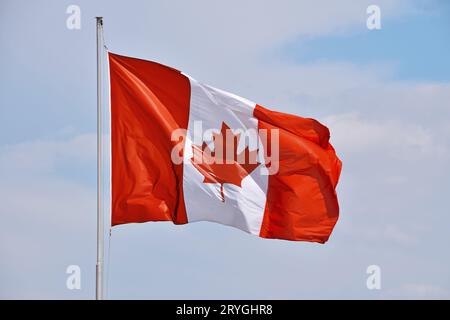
(413, 45)
(384, 94)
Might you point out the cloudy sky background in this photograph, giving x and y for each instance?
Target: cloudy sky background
(385, 95)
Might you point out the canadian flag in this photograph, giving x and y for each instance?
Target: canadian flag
(183, 151)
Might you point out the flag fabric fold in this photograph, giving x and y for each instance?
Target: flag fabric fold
(183, 151)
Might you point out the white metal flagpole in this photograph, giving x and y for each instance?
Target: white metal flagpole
(100, 233)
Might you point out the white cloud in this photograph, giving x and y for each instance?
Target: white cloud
(40, 156)
(263, 23)
(48, 220)
(351, 133)
(418, 291)
(395, 234)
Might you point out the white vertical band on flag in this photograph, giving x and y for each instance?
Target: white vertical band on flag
(243, 206)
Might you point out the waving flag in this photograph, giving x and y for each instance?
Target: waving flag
(183, 151)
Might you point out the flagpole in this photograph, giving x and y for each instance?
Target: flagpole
(100, 233)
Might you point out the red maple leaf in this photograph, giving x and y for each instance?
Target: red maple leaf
(220, 166)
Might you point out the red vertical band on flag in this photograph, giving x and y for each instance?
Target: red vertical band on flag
(301, 197)
(148, 102)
